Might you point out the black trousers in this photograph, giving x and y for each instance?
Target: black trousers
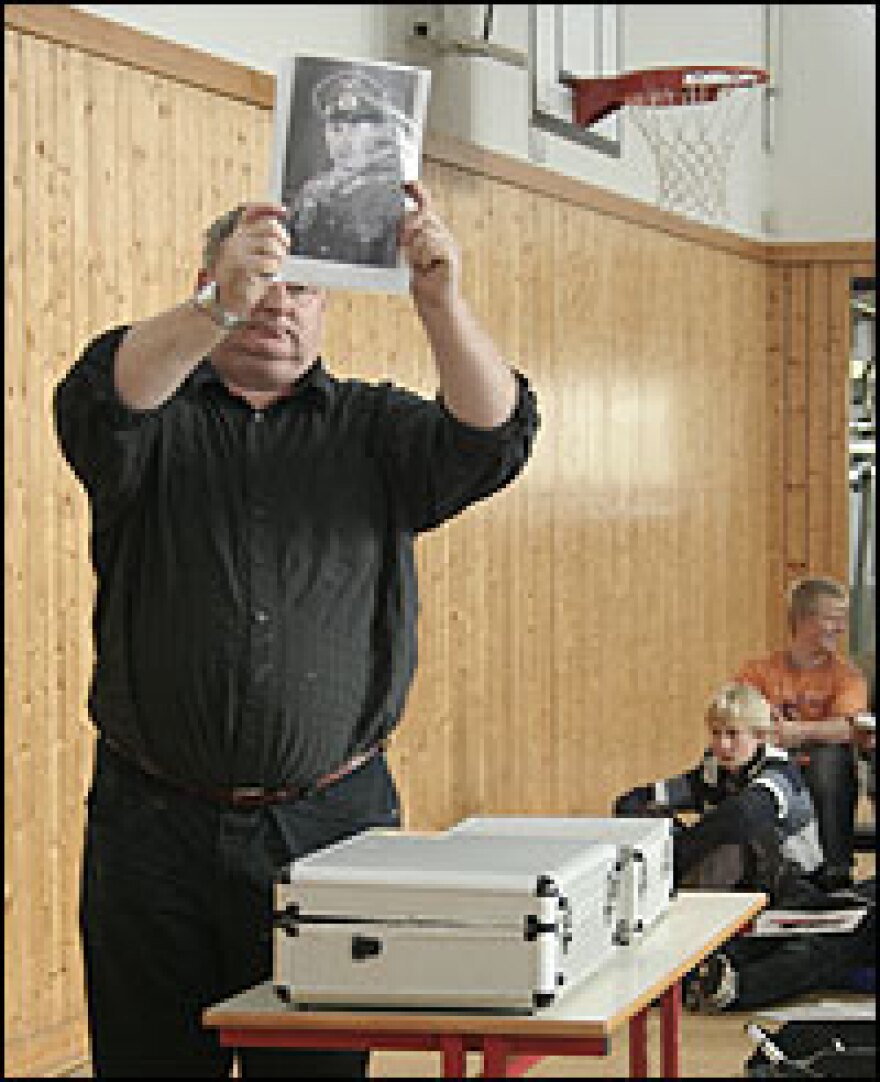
(771, 970)
(176, 910)
(831, 777)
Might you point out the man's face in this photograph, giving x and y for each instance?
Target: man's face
(351, 141)
(820, 632)
(732, 745)
(280, 341)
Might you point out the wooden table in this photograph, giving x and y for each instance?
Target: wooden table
(581, 1023)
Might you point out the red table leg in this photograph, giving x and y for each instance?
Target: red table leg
(495, 1053)
(454, 1062)
(518, 1066)
(670, 1030)
(638, 1045)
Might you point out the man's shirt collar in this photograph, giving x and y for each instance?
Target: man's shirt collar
(316, 383)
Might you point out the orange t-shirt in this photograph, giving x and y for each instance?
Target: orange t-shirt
(831, 690)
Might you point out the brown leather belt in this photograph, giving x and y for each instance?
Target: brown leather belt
(252, 796)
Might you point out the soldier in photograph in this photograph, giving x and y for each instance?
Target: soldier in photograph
(349, 211)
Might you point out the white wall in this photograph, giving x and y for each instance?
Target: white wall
(823, 181)
(817, 184)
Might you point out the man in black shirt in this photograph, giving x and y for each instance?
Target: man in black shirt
(253, 522)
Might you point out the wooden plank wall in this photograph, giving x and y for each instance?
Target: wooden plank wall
(808, 359)
(572, 627)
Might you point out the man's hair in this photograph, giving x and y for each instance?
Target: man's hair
(217, 232)
(742, 706)
(804, 595)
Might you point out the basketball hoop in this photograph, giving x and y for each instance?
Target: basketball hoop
(692, 144)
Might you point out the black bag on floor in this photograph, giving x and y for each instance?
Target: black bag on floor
(811, 1052)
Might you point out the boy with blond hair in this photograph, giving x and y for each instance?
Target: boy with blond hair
(756, 828)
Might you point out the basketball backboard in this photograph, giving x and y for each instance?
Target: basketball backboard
(574, 39)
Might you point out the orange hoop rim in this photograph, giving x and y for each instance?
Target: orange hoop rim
(595, 99)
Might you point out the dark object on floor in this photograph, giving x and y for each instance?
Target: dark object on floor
(811, 1052)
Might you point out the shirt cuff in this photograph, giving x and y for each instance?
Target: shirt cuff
(524, 421)
(120, 416)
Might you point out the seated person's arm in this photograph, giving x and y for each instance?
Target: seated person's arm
(836, 727)
(661, 797)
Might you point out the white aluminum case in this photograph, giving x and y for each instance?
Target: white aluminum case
(644, 849)
(388, 919)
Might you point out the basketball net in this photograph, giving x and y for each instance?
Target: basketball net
(692, 142)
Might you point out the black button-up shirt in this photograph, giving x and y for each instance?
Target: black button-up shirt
(255, 615)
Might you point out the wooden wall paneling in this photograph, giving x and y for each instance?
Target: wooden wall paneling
(35, 759)
(557, 293)
(705, 451)
(51, 784)
(149, 209)
(838, 425)
(185, 148)
(685, 496)
(796, 465)
(751, 446)
(503, 295)
(774, 465)
(540, 685)
(15, 889)
(740, 540)
(748, 440)
(656, 510)
(770, 465)
(616, 558)
(129, 133)
(566, 342)
(648, 440)
(485, 219)
(587, 334)
(547, 609)
(723, 538)
(578, 342)
(817, 366)
(169, 240)
(105, 196)
(480, 751)
(670, 645)
(652, 440)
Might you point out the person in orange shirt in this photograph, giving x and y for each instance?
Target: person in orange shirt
(817, 692)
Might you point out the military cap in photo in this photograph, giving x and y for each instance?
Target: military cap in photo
(352, 97)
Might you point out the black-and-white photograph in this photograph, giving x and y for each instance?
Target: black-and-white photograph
(348, 134)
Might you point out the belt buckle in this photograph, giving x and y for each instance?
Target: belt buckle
(248, 794)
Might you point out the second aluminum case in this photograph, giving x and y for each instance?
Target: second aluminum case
(643, 845)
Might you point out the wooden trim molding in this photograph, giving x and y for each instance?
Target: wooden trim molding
(101, 37)
(138, 49)
(840, 251)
